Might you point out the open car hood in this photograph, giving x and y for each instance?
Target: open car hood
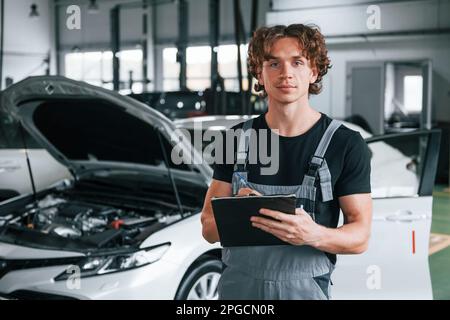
(87, 127)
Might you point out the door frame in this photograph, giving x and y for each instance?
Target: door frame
(431, 156)
(350, 65)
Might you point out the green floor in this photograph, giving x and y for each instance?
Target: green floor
(440, 261)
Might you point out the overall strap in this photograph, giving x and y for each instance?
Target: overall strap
(243, 145)
(318, 165)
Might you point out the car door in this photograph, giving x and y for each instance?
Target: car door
(395, 265)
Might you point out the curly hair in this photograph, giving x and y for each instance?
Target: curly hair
(310, 39)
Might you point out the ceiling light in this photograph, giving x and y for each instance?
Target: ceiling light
(93, 7)
(33, 13)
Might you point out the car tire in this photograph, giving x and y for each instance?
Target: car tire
(201, 281)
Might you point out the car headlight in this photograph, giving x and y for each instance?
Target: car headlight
(113, 263)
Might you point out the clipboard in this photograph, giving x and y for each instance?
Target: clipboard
(232, 215)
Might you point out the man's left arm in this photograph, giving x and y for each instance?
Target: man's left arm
(353, 192)
(353, 236)
(300, 229)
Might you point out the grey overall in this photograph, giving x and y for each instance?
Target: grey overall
(283, 271)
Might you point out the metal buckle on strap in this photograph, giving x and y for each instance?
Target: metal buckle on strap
(314, 165)
(317, 160)
(240, 166)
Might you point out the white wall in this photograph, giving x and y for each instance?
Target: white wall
(435, 48)
(344, 46)
(308, 4)
(354, 19)
(95, 28)
(27, 41)
(95, 31)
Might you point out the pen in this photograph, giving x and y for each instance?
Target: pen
(242, 179)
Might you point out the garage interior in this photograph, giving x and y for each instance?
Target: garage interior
(188, 58)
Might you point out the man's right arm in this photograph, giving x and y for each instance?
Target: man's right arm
(209, 228)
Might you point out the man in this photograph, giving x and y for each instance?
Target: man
(324, 163)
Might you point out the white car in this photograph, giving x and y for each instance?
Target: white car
(395, 266)
(126, 225)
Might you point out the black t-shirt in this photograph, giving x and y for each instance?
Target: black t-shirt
(348, 159)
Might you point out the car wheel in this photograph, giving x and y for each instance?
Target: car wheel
(201, 283)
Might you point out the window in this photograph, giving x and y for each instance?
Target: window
(171, 70)
(93, 67)
(412, 88)
(227, 60)
(198, 73)
(131, 70)
(97, 68)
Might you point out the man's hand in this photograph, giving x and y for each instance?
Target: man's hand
(298, 229)
(209, 227)
(248, 192)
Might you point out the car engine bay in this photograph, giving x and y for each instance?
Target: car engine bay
(66, 216)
